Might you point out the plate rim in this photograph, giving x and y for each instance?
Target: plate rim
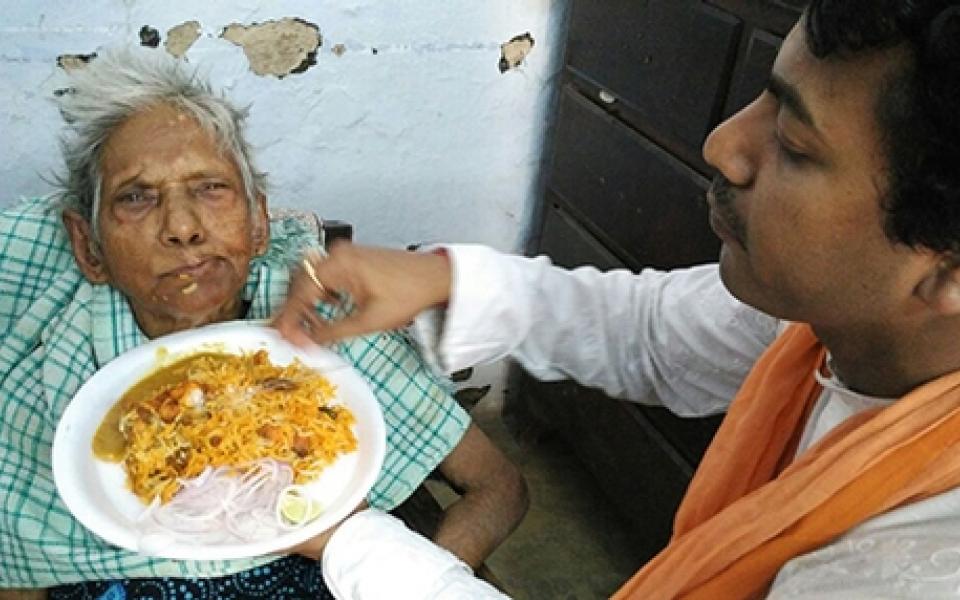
(145, 354)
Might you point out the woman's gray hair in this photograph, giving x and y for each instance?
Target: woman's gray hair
(120, 83)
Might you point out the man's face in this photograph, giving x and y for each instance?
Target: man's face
(798, 199)
(176, 230)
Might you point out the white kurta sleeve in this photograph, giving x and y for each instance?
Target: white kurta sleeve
(373, 555)
(676, 338)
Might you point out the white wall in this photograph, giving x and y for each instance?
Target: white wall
(423, 140)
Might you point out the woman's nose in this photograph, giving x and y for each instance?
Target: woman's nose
(182, 224)
(733, 145)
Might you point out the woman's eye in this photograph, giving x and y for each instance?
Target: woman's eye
(134, 197)
(211, 188)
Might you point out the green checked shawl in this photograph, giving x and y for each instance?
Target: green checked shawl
(57, 330)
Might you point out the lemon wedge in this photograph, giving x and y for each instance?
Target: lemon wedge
(295, 508)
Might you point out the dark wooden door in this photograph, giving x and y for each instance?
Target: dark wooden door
(644, 83)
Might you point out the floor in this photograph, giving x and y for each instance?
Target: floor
(571, 545)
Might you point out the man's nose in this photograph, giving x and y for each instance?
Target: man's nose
(182, 224)
(732, 147)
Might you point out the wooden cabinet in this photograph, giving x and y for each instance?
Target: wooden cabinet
(644, 83)
(630, 193)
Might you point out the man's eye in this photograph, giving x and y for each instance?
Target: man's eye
(789, 153)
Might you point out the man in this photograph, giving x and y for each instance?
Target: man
(835, 473)
(163, 227)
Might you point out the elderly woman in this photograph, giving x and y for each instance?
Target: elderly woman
(162, 226)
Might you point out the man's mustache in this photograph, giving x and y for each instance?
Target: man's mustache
(723, 194)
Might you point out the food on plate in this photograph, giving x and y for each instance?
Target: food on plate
(227, 414)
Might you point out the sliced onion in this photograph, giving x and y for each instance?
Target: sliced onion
(219, 506)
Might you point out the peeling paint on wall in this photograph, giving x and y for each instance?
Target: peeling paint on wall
(421, 119)
(70, 62)
(277, 47)
(181, 37)
(515, 51)
(149, 37)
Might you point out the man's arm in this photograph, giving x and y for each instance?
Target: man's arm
(677, 338)
(493, 498)
(672, 337)
(373, 555)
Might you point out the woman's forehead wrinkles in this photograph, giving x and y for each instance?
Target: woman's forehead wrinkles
(183, 149)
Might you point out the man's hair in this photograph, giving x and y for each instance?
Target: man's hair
(121, 83)
(918, 107)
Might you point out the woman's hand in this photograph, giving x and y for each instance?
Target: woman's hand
(313, 548)
(388, 288)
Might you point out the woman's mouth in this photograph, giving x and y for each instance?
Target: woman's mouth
(187, 276)
(191, 270)
(190, 288)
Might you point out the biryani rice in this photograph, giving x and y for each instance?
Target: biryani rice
(232, 410)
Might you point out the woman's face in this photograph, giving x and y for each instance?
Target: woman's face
(176, 231)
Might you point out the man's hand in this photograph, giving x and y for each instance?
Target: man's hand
(388, 287)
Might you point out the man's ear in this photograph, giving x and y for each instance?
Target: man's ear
(940, 289)
(261, 226)
(84, 246)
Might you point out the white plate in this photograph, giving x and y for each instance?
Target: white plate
(95, 490)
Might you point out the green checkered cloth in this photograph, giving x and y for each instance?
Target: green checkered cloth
(57, 330)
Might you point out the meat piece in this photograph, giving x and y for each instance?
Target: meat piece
(301, 445)
(270, 432)
(169, 410)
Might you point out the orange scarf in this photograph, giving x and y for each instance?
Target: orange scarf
(749, 510)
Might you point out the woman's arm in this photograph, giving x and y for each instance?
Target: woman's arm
(23, 594)
(493, 498)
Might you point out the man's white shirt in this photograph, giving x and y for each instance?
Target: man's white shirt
(678, 339)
